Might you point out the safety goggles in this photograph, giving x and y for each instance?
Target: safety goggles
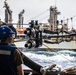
(13, 36)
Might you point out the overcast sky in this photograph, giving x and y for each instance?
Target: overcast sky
(33, 8)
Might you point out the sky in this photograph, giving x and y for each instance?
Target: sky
(39, 10)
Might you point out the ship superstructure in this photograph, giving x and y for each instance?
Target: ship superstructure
(53, 17)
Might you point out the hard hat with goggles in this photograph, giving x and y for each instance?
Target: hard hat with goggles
(5, 32)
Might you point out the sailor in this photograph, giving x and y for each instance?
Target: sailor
(10, 57)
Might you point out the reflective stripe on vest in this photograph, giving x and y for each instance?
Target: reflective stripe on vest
(5, 52)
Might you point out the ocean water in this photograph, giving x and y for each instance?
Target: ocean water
(62, 58)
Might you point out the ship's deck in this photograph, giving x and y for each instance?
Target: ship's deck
(63, 45)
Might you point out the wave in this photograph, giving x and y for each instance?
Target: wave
(63, 59)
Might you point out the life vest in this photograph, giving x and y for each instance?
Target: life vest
(7, 62)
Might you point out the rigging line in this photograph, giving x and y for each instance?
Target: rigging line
(43, 18)
(69, 18)
(58, 54)
(39, 15)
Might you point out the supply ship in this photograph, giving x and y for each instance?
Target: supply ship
(56, 34)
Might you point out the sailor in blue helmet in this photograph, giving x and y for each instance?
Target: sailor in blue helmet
(10, 58)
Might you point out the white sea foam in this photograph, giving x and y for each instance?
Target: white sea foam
(63, 60)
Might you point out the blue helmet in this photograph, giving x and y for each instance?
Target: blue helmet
(5, 32)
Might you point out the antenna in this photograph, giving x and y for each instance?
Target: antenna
(55, 2)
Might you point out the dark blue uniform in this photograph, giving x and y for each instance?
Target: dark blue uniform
(7, 61)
